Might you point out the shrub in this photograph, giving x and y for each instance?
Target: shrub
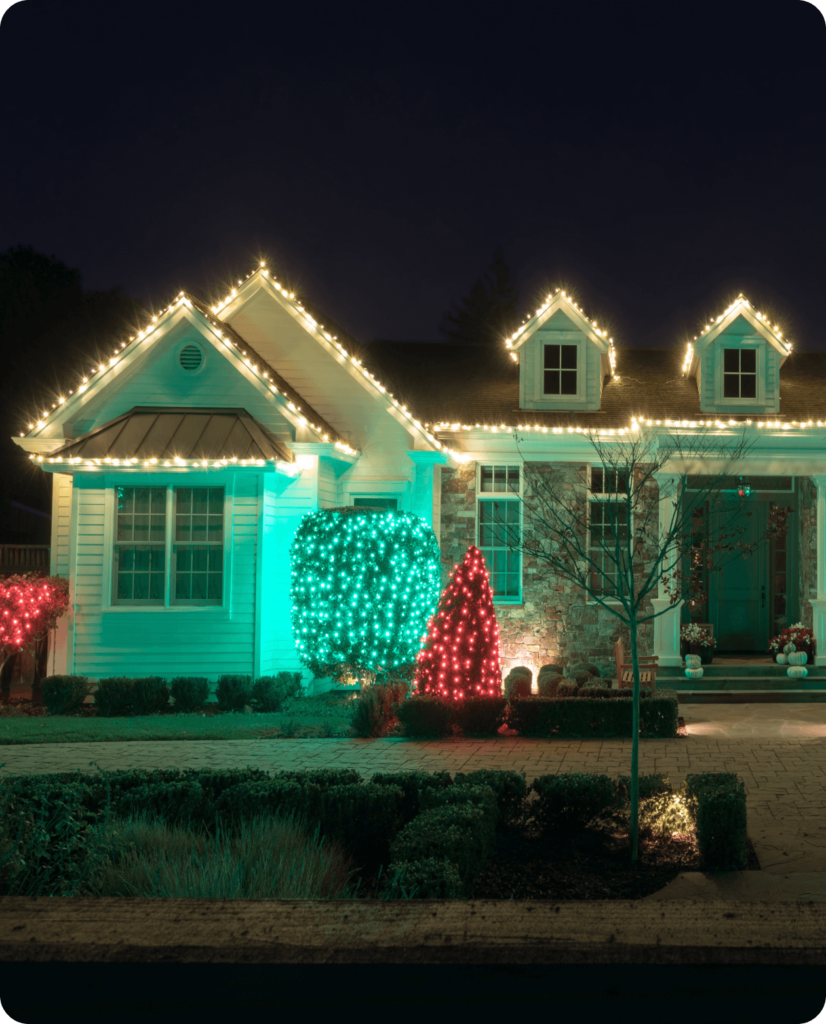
(150, 695)
(189, 692)
(427, 879)
(566, 688)
(234, 692)
(548, 680)
(582, 672)
(383, 567)
(426, 715)
(64, 694)
(569, 801)
(595, 688)
(267, 695)
(480, 716)
(113, 697)
(376, 708)
(518, 682)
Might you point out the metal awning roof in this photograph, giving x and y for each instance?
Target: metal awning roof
(163, 433)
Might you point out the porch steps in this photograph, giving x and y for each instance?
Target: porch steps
(739, 682)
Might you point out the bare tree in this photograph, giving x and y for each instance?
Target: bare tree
(605, 534)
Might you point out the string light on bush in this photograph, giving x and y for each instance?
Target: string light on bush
(460, 655)
(364, 585)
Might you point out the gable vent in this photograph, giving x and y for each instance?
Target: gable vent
(191, 357)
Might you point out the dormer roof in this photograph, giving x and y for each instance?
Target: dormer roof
(560, 300)
(740, 307)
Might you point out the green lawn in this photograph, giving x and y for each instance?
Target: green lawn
(308, 717)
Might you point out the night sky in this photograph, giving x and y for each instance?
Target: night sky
(654, 159)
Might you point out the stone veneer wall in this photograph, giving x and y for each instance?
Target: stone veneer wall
(555, 623)
(806, 529)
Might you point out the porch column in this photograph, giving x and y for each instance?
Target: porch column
(819, 603)
(667, 625)
(424, 493)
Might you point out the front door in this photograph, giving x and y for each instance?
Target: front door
(739, 594)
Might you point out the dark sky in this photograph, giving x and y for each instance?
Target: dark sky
(653, 158)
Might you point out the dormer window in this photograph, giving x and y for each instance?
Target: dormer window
(560, 370)
(739, 373)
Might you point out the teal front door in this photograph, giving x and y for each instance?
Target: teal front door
(739, 595)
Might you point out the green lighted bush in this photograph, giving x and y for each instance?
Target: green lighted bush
(364, 586)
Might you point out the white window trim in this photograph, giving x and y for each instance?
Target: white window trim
(399, 489)
(759, 346)
(503, 495)
(539, 399)
(591, 496)
(108, 602)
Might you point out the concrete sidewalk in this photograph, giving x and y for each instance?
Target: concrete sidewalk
(778, 750)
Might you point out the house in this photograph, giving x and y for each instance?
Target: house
(183, 464)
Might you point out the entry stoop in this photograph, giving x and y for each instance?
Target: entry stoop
(745, 681)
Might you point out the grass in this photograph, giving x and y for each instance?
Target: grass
(269, 857)
(304, 717)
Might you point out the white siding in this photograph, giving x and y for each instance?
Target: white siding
(159, 641)
(60, 554)
(327, 485)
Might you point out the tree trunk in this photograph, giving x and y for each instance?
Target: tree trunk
(635, 741)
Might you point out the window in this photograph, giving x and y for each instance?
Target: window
(608, 522)
(559, 370)
(378, 502)
(739, 373)
(142, 545)
(498, 530)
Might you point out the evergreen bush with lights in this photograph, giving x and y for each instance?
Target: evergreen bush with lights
(365, 583)
(460, 656)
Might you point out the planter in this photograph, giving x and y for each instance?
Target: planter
(706, 654)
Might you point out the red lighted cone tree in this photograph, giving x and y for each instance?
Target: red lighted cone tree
(460, 655)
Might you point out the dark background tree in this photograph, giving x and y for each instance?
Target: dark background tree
(489, 311)
(51, 333)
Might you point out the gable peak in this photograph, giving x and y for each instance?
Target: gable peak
(741, 305)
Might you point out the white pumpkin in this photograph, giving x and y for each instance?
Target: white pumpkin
(781, 659)
(798, 658)
(694, 673)
(797, 672)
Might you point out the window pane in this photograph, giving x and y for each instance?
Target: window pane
(126, 559)
(182, 587)
(141, 528)
(216, 581)
(184, 500)
(513, 478)
(748, 386)
(748, 360)
(183, 560)
(200, 559)
(486, 478)
(499, 478)
(551, 357)
(199, 586)
(731, 387)
(125, 586)
(156, 586)
(596, 480)
(199, 528)
(216, 560)
(183, 528)
(141, 586)
(569, 357)
(142, 556)
(142, 500)
(159, 501)
(731, 360)
(157, 560)
(125, 497)
(569, 383)
(157, 529)
(200, 501)
(216, 501)
(124, 528)
(216, 526)
(551, 385)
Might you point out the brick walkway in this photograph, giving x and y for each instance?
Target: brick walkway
(784, 773)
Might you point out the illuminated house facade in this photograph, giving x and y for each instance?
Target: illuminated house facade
(183, 464)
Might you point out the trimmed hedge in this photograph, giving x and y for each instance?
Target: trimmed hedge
(64, 694)
(581, 717)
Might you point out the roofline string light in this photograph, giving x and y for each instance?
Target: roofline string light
(173, 463)
(526, 324)
(739, 301)
(636, 423)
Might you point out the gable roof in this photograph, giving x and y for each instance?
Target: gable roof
(147, 434)
(268, 375)
(740, 307)
(466, 387)
(560, 300)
